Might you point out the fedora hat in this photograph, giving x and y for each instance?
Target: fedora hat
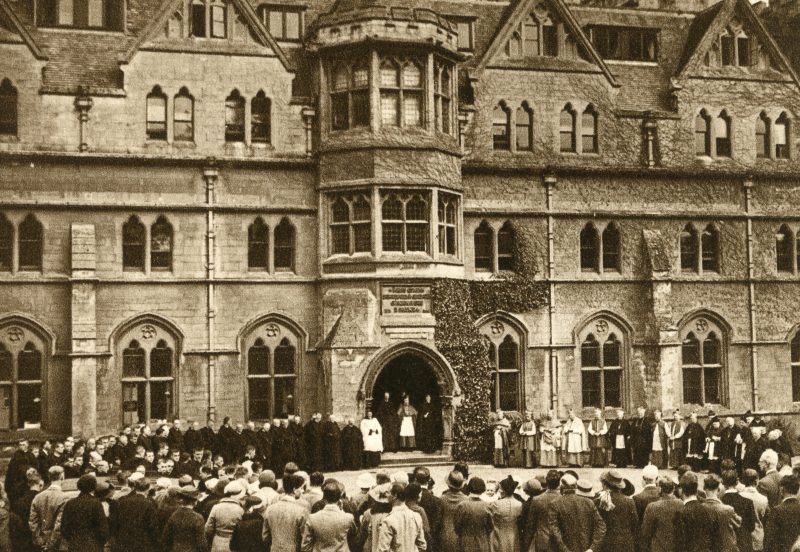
(613, 479)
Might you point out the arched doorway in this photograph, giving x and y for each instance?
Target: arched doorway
(413, 367)
(410, 375)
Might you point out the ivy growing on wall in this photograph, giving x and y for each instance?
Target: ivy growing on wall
(457, 304)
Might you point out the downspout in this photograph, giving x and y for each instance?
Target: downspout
(550, 184)
(210, 175)
(751, 293)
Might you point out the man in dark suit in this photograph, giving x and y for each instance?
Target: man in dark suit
(658, 525)
(619, 440)
(641, 438)
(650, 493)
(575, 523)
(536, 528)
(727, 520)
(83, 521)
(783, 529)
(137, 526)
(695, 525)
(431, 504)
(743, 507)
(185, 529)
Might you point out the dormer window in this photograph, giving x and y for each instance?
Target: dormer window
(208, 19)
(624, 43)
(107, 15)
(465, 31)
(536, 36)
(735, 47)
(283, 22)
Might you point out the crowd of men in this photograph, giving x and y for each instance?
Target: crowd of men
(645, 439)
(205, 489)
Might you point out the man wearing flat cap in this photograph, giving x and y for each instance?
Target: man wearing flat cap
(575, 523)
(450, 499)
(83, 522)
(246, 535)
(137, 530)
(536, 533)
(184, 530)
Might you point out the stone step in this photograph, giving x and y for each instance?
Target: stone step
(413, 459)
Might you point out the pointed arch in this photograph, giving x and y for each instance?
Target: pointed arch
(284, 252)
(704, 339)
(785, 249)
(709, 247)
(702, 134)
(611, 248)
(689, 248)
(6, 244)
(590, 248)
(723, 136)
(603, 342)
(31, 244)
(183, 116)
(782, 133)
(483, 240)
(258, 245)
(501, 127)
(156, 123)
(762, 135)
(161, 244)
(524, 127)
(261, 119)
(568, 122)
(589, 138)
(234, 117)
(506, 247)
(9, 122)
(133, 244)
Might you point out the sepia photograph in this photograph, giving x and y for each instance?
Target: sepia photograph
(399, 276)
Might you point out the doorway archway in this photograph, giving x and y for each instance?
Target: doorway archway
(414, 368)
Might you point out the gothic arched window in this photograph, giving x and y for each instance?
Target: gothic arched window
(506, 357)
(501, 127)
(31, 236)
(133, 244)
(272, 361)
(702, 360)
(258, 245)
(156, 114)
(234, 117)
(161, 237)
(283, 256)
(6, 244)
(567, 129)
(484, 247)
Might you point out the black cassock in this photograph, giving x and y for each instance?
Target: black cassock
(298, 444)
(314, 450)
(427, 428)
(282, 449)
(264, 439)
(331, 442)
(226, 440)
(352, 447)
(390, 425)
(620, 457)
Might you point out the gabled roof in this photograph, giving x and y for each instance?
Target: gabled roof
(711, 22)
(517, 15)
(7, 15)
(245, 9)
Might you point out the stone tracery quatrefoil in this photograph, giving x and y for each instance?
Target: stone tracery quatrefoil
(497, 327)
(272, 330)
(701, 325)
(601, 326)
(15, 334)
(148, 331)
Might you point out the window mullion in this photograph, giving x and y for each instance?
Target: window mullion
(14, 391)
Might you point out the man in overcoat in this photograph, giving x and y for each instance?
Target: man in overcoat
(575, 523)
(783, 528)
(83, 521)
(658, 525)
(137, 529)
(473, 519)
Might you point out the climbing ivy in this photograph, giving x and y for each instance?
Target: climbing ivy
(457, 304)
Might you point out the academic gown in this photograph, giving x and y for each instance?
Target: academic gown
(332, 445)
(386, 414)
(264, 439)
(427, 428)
(314, 450)
(226, 441)
(641, 441)
(352, 447)
(282, 449)
(209, 439)
(299, 444)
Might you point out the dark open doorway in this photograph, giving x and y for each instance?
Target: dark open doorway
(410, 374)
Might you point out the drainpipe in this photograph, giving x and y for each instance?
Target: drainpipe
(650, 129)
(308, 114)
(83, 103)
(550, 184)
(751, 292)
(210, 175)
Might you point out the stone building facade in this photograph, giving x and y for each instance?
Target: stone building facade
(237, 207)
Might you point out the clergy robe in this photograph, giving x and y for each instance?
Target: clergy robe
(352, 447)
(264, 439)
(386, 414)
(694, 443)
(407, 415)
(209, 439)
(314, 450)
(641, 440)
(598, 442)
(529, 442)
(501, 428)
(332, 445)
(619, 437)
(372, 435)
(576, 441)
(192, 439)
(298, 444)
(226, 439)
(427, 428)
(658, 444)
(675, 433)
(282, 449)
(714, 449)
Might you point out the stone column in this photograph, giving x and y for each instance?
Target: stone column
(448, 418)
(84, 330)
